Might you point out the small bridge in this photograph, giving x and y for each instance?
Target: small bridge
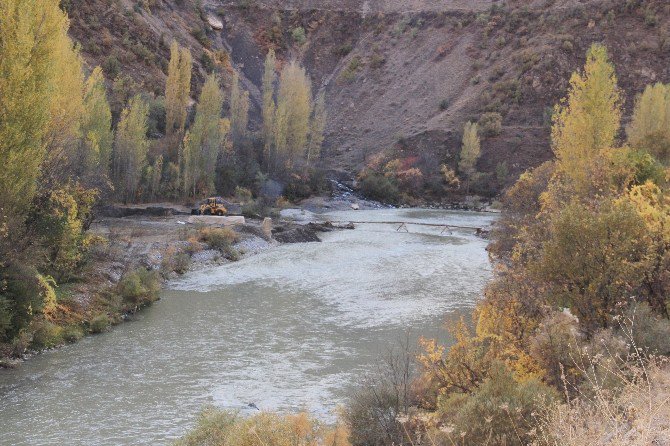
(403, 226)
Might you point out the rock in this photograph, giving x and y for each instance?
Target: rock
(355, 206)
(217, 221)
(296, 235)
(215, 22)
(206, 256)
(266, 226)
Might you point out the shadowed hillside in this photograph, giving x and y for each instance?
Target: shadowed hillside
(398, 76)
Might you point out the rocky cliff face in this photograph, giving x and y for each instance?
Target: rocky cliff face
(401, 76)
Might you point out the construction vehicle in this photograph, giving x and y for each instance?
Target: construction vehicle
(211, 206)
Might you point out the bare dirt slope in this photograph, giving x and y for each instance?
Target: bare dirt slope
(399, 76)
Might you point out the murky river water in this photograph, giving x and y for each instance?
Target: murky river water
(292, 328)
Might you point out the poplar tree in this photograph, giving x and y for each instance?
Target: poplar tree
(98, 137)
(177, 89)
(239, 111)
(470, 152)
(269, 106)
(31, 35)
(294, 107)
(130, 148)
(154, 177)
(650, 126)
(203, 143)
(588, 119)
(66, 111)
(317, 127)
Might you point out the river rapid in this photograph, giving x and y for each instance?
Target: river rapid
(292, 328)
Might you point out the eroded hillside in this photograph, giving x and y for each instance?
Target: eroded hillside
(399, 76)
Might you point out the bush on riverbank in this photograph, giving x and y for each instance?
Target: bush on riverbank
(45, 335)
(221, 239)
(99, 323)
(379, 187)
(139, 287)
(225, 428)
(580, 298)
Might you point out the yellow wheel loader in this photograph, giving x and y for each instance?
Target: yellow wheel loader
(211, 206)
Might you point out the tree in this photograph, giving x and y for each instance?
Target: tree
(239, 111)
(650, 126)
(66, 111)
(155, 173)
(470, 152)
(177, 89)
(30, 35)
(98, 137)
(294, 107)
(316, 128)
(588, 119)
(203, 143)
(130, 148)
(269, 106)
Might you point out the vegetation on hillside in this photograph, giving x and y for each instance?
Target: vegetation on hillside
(578, 311)
(67, 141)
(569, 345)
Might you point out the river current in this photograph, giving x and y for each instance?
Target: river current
(292, 328)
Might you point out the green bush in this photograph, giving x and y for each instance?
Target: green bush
(349, 74)
(140, 286)
(181, 262)
(226, 428)
(491, 123)
(380, 188)
(46, 335)
(5, 318)
(72, 333)
(218, 238)
(100, 323)
(500, 411)
(112, 67)
(299, 35)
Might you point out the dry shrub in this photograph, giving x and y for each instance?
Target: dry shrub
(636, 415)
(225, 428)
(499, 412)
(218, 238)
(624, 396)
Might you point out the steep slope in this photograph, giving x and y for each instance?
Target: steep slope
(400, 76)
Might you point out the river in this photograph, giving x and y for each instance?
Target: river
(292, 328)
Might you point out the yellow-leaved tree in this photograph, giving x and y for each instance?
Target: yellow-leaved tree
(269, 107)
(203, 142)
(470, 152)
(32, 33)
(130, 148)
(239, 111)
(97, 133)
(66, 109)
(294, 108)
(650, 126)
(587, 121)
(177, 89)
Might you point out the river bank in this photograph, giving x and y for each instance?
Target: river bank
(294, 327)
(154, 237)
(160, 239)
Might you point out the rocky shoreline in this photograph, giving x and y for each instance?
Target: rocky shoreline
(153, 236)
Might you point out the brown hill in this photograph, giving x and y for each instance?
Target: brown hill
(399, 76)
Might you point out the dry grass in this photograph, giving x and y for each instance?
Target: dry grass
(627, 405)
(224, 428)
(637, 415)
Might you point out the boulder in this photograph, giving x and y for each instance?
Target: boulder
(213, 220)
(266, 226)
(215, 22)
